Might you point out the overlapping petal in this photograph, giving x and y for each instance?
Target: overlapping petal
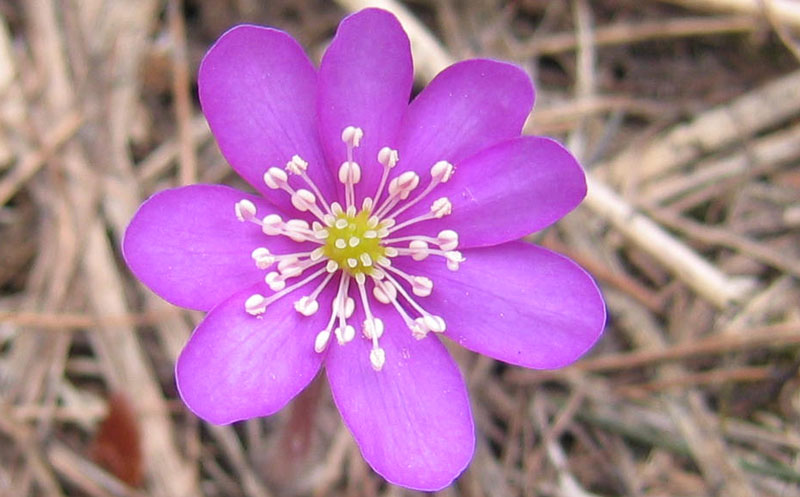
(505, 192)
(257, 90)
(467, 107)
(188, 247)
(237, 366)
(518, 303)
(365, 80)
(412, 419)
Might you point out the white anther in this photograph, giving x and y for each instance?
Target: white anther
(276, 178)
(262, 257)
(447, 239)
(419, 249)
(360, 278)
(245, 210)
(366, 260)
(306, 306)
(272, 224)
(349, 173)
(290, 268)
(454, 258)
(352, 135)
(388, 157)
(340, 243)
(255, 304)
(275, 281)
(354, 241)
(441, 207)
(434, 323)
(384, 261)
(349, 307)
(390, 252)
(336, 209)
(373, 328)
(341, 223)
(296, 229)
(377, 357)
(331, 266)
(303, 200)
(442, 171)
(366, 205)
(370, 234)
(384, 292)
(352, 262)
(418, 329)
(351, 211)
(346, 335)
(321, 342)
(297, 165)
(317, 254)
(421, 286)
(403, 185)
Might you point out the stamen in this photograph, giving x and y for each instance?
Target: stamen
(441, 172)
(262, 257)
(432, 323)
(418, 249)
(373, 327)
(377, 356)
(440, 208)
(308, 305)
(299, 167)
(349, 175)
(454, 258)
(352, 135)
(447, 239)
(421, 286)
(255, 304)
(388, 158)
(245, 210)
(344, 332)
(399, 189)
(323, 338)
(276, 178)
(383, 292)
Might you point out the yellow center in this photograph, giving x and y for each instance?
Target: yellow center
(353, 244)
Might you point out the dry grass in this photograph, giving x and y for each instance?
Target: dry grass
(688, 122)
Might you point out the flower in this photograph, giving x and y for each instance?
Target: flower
(380, 226)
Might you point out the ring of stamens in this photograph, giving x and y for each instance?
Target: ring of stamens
(357, 244)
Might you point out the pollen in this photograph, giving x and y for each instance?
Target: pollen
(354, 242)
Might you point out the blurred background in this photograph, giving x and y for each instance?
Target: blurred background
(686, 115)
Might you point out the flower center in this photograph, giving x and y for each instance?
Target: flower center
(354, 243)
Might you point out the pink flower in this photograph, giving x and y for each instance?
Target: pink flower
(380, 226)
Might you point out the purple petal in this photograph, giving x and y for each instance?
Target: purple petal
(188, 247)
(257, 89)
(237, 366)
(412, 419)
(365, 81)
(505, 192)
(467, 107)
(518, 303)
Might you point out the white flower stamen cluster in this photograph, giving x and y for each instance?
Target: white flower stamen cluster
(356, 245)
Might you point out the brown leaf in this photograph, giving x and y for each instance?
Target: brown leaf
(116, 446)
